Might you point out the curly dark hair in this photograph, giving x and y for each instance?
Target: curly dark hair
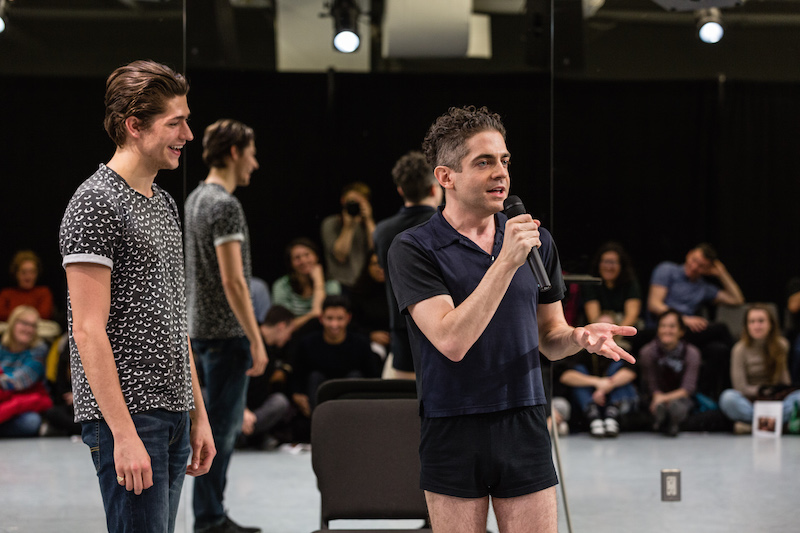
(414, 176)
(626, 272)
(446, 141)
(139, 89)
(221, 136)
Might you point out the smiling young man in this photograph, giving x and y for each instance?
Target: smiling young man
(478, 323)
(332, 353)
(222, 324)
(135, 387)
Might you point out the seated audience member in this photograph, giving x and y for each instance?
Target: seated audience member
(331, 353)
(602, 389)
(59, 420)
(370, 307)
(670, 367)
(267, 395)
(25, 269)
(304, 288)
(347, 236)
(22, 392)
(259, 296)
(758, 370)
(683, 288)
(618, 296)
(793, 330)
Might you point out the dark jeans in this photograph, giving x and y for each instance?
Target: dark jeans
(24, 425)
(222, 364)
(165, 435)
(624, 397)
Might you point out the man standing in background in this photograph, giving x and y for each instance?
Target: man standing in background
(222, 324)
(421, 194)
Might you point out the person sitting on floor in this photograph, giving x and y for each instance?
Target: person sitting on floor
(603, 391)
(671, 366)
(331, 353)
(267, 402)
(304, 287)
(22, 392)
(758, 370)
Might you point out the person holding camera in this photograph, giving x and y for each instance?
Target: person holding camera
(347, 236)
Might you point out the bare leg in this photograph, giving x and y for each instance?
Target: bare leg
(457, 515)
(536, 512)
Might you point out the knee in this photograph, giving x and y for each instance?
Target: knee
(729, 401)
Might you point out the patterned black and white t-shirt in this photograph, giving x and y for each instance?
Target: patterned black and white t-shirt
(213, 217)
(139, 239)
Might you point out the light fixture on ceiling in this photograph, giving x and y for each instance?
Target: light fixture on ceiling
(345, 25)
(2, 15)
(709, 25)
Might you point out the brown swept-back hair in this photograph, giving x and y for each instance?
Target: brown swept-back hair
(139, 89)
(223, 135)
(774, 353)
(446, 141)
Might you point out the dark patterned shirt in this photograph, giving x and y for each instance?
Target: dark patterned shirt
(213, 217)
(139, 239)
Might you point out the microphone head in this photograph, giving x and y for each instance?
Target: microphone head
(512, 206)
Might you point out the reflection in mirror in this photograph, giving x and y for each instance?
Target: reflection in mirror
(54, 59)
(663, 141)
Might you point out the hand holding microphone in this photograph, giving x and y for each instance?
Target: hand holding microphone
(512, 207)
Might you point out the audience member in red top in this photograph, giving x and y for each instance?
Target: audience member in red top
(25, 268)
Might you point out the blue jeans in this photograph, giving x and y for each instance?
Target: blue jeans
(165, 435)
(625, 397)
(739, 409)
(222, 364)
(22, 425)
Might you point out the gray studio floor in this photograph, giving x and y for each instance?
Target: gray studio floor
(729, 484)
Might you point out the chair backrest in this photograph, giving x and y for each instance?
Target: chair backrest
(365, 455)
(365, 388)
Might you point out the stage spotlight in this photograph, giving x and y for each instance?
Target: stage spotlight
(709, 25)
(2, 23)
(345, 25)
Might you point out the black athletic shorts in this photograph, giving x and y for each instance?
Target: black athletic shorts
(503, 454)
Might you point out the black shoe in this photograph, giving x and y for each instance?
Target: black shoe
(228, 526)
(661, 417)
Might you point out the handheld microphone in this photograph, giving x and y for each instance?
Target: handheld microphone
(512, 207)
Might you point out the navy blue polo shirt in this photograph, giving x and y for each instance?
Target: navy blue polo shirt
(501, 370)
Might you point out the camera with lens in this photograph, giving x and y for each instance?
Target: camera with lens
(352, 208)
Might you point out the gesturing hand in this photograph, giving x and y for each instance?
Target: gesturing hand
(599, 338)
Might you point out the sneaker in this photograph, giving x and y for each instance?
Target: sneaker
(742, 428)
(597, 428)
(563, 429)
(611, 427)
(228, 526)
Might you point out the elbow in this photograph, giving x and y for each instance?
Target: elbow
(235, 285)
(83, 332)
(453, 350)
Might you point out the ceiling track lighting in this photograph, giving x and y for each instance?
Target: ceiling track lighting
(345, 15)
(2, 15)
(709, 25)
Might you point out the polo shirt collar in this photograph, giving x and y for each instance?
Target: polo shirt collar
(443, 234)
